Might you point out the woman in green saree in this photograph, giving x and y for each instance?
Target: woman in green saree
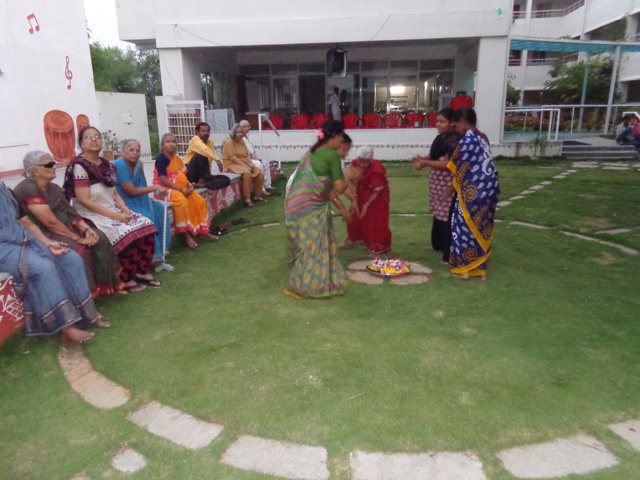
(313, 254)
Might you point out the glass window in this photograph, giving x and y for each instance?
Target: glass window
(253, 69)
(440, 64)
(402, 94)
(284, 68)
(433, 87)
(374, 95)
(285, 93)
(404, 66)
(311, 67)
(378, 67)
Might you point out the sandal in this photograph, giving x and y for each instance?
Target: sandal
(134, 288)
(259, 199)
(249, 204)
(152, 282)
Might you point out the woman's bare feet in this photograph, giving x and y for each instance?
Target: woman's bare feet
(75, 334)
(191, 243)
(101, 323)
(211, 236)
(265, 193)
(286, 291)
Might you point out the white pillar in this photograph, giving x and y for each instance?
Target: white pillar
(493, 54)
(180, 74)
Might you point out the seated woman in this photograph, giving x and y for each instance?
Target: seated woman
(315, 271)
(236, 159)
(48, 278)
(370, 223)
(189, 208)
(132, 188)
(49, 210)
(90, 184)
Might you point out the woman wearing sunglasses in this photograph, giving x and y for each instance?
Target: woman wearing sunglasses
(48, 208)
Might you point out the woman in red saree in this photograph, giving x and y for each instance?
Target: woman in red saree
(370, 222)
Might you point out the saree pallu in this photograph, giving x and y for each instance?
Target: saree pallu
(53, 289)
(101, 263)
(189, 212)
(315, 270)
(477, 187)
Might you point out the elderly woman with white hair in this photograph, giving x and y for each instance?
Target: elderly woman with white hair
(262, 164)
(236, 159)
(370, 222)
(47, 207)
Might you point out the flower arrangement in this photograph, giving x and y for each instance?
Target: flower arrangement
(111, 142)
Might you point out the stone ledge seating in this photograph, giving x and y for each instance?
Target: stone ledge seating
(11, 307)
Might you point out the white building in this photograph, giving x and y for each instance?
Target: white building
(46, 85)
(412, 55)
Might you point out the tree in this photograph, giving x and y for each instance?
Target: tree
(567, 82)
(129, 71)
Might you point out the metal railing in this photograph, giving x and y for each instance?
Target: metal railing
(570, 119)
(266, 119)
(558, 12)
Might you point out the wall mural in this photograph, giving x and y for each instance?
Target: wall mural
(59, 132)
(30, 17)
(68, 73)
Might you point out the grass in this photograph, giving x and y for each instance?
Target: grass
(545, 348)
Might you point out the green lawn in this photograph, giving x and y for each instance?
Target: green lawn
(546, 348)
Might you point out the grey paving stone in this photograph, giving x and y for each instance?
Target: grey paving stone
(546, 182)
(94, 388)
(559, 177)
(611, 167)
(176, 426)
(80, 477)
(418, 268)
(622, 248)
(360, 265)
(536, 187)
(583, 165)
(281, 459)
(530, 225)
(575, 455)
(128, 461)
(526, 192)
(504, 203)
(409, 279)
(364, 277)
(516, 197)
(402, 466)
(630, 431)
(574, 171)
(615, 231)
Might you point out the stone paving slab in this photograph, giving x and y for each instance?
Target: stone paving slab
(615, 168)
(281, 459)
(536, 187)
(559, 177)
(517, 197)
(176, 426)
(546, 182)
(409, 279)
(526, 192)
(530, 225)
(630, 431)
(364, 277)
(575, 455)
(360, 265)
(504, 203)
(418, 268)
(94, 388)
(615, 231)
(128, 461)
(584, 165)
(424, 466)
(622, 248)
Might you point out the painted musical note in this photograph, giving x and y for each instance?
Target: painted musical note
(68, 73)
(33, 17)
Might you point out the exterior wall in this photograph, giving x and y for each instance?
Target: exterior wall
(491, 86)
(34, 74)
(126, 115)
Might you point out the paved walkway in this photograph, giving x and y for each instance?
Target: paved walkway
(575, 455)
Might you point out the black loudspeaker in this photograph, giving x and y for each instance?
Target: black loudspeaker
(336, 62)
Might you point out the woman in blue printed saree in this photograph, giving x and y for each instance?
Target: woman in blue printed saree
(48, 277)
(477, 190)
(313, 254)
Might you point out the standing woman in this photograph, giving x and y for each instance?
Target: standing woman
(440, 180)
(313, 254)
(90, 183)
(371, 222)
(477, 187)
(189, 208)
(236, 159)
(132, 187)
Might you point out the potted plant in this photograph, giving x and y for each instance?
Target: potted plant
(110, 145)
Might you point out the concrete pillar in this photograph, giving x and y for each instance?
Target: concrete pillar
(491, 84)
(180, 74)
(463, 72)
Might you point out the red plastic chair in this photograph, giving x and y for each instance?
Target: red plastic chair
(414, 120)
(371, 120)
(392, 120)
(351, 121)
(300, 122)
(431, 119)
(276, 120)
(461, 101)
(319, 119)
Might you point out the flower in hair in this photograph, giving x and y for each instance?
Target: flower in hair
(320, 134)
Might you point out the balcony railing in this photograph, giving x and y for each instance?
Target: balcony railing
(560, 12)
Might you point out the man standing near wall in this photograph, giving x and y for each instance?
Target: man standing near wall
(261, 164)
(198, 158)
(334, 104)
